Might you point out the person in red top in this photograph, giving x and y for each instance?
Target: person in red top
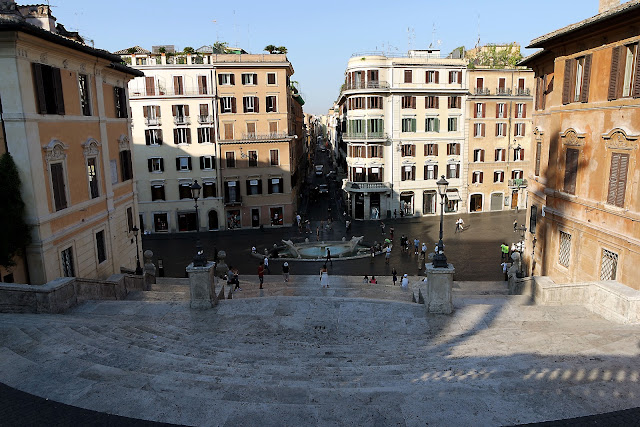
(261, 273)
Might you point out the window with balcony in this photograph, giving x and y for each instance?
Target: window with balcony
(150, 85)
(356, 127)
(502, 83)
(430, 172)
(453, 149)
(478, 155)
(408, 125)
(477, 177)
(151, 115)
(153, 136)
(431, 101)
(408, 150)
(517, 174)
(251, 129)
(48, 89)
(202, 85)
(433, 77)
(207, 163)
(498, 176)
(230, 157)
(226, 79)
(272, 104)
(409, 102)
(432, 124)
(155, 164)
(452, 124)
(375, 127)
(250, 104)
(157, 192)
(182, 136)
(180, 114)
(408, 173)
(227, 104)
(178, 85)
(183, 163)
(455, 102)
(204, 116)
(453, 170)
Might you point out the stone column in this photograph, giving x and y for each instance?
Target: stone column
(439, 285)
(202, 286)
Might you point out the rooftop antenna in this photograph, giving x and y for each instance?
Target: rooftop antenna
(433, 36)
(411, 35)
(478, 42)
(235, 28)
(217, 32)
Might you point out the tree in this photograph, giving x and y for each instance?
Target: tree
(16, 234)
(188, 50)
(281, 49)
(270, 48)
(220, 47)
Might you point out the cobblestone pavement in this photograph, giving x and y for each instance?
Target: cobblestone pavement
(321, 357)
(475, 253)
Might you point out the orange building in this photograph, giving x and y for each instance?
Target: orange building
(584, 194)
(65, 114)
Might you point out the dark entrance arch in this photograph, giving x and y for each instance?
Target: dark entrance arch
(213, 220)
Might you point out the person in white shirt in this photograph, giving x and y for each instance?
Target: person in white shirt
(405, 281)
(266, 264)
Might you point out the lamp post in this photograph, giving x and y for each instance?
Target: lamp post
(136, 230)
(440, 260)
(199, 260)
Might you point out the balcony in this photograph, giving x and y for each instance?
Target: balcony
(181, 120)
(237, 201)
(365, 135)
(482, 91)
(205, 119)
(518, 183)
(503, 91)
(375, 84)
(523, 92)
(251, 136)
(152, 121)
(138, 92)
(366, 187)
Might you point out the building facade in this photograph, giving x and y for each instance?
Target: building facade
(65, 116)
(233, 122)
(402, 121)
(499, 130)
(584, 203)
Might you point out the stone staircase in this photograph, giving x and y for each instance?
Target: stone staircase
(296, 354)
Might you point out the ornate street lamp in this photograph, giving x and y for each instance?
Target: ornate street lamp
(199, 260)
(440, 260)
(135, 230)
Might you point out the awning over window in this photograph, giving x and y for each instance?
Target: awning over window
(453, 196)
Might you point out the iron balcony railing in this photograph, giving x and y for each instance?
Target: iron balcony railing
(367, 186)
(181, 120)
(257, 137)
(228, 201)
(160, 91)
(152, 121)
(205, 119)
(364, 135)
(503, 91)
(522, 183)
(523, 92)
(374, 84)
(482, 91)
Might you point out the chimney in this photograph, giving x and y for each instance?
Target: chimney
(605, 5)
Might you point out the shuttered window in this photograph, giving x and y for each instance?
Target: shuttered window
(618, 179)
(150, 86)
(408, 77)
(577, 73)
(571, 170)
(48, 88)
(120, 102)
(58, 184)
(538, 154)
(202, 85)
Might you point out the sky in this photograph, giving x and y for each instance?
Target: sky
(320, 36)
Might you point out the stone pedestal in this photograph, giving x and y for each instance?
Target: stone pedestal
(439, 285)
(149, 270)
(202, 286)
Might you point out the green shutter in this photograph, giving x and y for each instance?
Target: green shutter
(437, 125)
(413, 125)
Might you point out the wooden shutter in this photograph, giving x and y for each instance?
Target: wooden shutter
(484, 109)
(177, 87)
(220, 79)
(413, 102)
(204, 110)
(201, 162)
(199, 131)
(162, 164)
(618, 179)
(256, 104)
(157, 110)
(189, 162)
(586, 74)
(159, 136)
(482, 130)
(41, 102)
(174, 110)
(145, 111)
(524, 111)
(437, 124)
(524, 129)
(233, 104)
(571, 170)
(150, 165)
(497, 110)
(522, 154)
(177, 163)
(450, 77)
(437, 77)
(437, 99)
(482, 155)
(566, 88)
(57, 85)
(150, 86)
(232, 78)
(255, 79)
(475, 110)
(459, 77)
(449, 102)
(186, 110)
(407, 76)
(435, 149)
(636, 81)
(613, 76)
(426, 102)
(57, 179)
(175, 136)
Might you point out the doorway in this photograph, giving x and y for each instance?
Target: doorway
(213, 220)
(476, 203)
(255, 217)
(359, 213)
(514, 199)
(406, 203)
(375, 205)
(496, 201)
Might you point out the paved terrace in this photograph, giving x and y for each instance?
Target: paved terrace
(354, 354)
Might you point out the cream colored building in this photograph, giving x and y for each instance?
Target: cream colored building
(229, 121)
(403, 122)
(64, 111)
(499, 135)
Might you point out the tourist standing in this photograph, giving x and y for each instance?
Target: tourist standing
(387, 256)
(318, 233)
(232, 278)
(324, 276)
(266, 264)
(423, 251)
(329, 257)
(505, 270)
(382, 227)
(405, 281)
(391, 230)
(416, 246)
(394, 274)
(505, 252)
(261, 273)
(285, 271)
(373, 253)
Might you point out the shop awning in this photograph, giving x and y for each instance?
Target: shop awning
(453, 196)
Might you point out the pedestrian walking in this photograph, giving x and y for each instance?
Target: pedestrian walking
(387, 256)
(382, 227)
(505, 270)
(403, 243)
(261, 273)
(505, 252)
(347, 224)
(405, 281)
(394, 275)
(324, 277)
(329, 257)
(318, 233)
(423, 251)
(391, 230)
(232, 278)
(416, 246)
(266, 264)
(459, 225)
(395, 214)
(285, 271)
(373, 253)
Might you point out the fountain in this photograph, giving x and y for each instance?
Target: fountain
(318, 250)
